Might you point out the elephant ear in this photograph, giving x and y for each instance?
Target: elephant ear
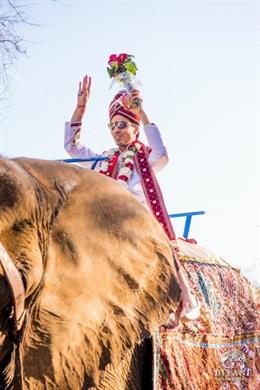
(109, 280)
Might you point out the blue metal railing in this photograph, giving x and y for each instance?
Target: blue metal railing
(188, 215)
(78, 160)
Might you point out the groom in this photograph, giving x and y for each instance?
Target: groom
(133, 165)
(124, 126)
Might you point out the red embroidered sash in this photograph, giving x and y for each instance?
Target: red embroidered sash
(152, 191)
(149, 184)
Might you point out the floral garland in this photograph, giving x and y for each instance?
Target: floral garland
(137, 155)
(109, 167)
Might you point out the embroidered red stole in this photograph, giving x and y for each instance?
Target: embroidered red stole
(152, 191)
(149, 184)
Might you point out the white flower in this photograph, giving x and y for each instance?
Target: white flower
(129, 160)
(104, 166)
(138, 146)
(125, 171)
(128, 153)
(111, 152)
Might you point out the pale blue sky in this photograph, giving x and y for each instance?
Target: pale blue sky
(198, 65)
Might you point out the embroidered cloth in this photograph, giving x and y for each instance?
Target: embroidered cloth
(220, 350)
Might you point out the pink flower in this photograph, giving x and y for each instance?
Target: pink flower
(122, 57)
(113, 58)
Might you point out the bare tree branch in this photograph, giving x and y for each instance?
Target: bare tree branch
(12, 44)
(12, 15)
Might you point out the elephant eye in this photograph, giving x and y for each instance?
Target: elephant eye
(9, 191)
(19, 226)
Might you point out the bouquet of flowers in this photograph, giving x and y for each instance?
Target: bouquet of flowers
(122, 69)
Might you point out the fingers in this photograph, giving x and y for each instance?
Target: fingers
(87, 84)
(80, 90)
(136, 100)
(84, 87)
(135, 93)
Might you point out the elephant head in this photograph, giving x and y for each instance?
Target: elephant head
(96, 269)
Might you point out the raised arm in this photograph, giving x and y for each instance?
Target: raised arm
(73, 128)
(158, 157)
(83, 97)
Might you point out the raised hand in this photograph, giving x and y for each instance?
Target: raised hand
(135, 99)
(83, 92)
(136, 104)
(82, 99)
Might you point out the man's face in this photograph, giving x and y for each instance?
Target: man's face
(123, 131)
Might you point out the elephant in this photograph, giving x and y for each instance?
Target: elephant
(97, 273)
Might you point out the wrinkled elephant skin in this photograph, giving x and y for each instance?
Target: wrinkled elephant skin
(97, 272)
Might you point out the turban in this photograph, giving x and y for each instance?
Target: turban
(120, 106)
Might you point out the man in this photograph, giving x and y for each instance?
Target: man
(124, 130)
(132, 164)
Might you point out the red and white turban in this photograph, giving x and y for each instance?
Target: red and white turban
(120, 106)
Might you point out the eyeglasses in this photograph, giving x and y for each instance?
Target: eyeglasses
(119, 124)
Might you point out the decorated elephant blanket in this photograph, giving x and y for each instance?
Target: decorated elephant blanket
(221, 350)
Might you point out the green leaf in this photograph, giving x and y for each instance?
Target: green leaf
(110, 71)
(131, 67)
